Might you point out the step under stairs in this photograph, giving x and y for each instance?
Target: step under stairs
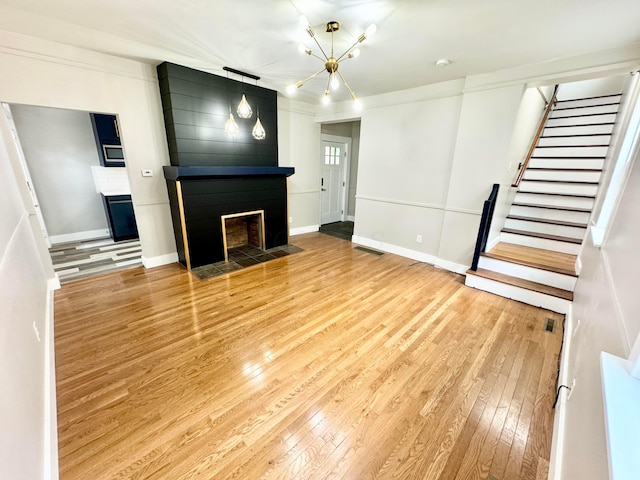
(534, 261)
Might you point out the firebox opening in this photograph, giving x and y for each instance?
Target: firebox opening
(246, 228)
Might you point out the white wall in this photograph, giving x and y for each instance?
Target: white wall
(298, 146)
(38, 72)
(606, 317)
(60, 150)
(25, 334)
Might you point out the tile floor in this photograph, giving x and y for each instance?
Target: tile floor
(75, 260)
(343, 230)
(242, 257)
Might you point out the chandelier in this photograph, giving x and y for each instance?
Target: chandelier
(331, 62)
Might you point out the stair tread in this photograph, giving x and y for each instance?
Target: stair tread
(586, 106)
(578, 135)
(552, 207)
(526, 284)
(579, 195)
(557, 238)
(540, 169)
(583, 115)
(572, 146)
(546, 220)
(599, 124)
(589, 98)
(565, 262)
(555, 157)
(568, 182)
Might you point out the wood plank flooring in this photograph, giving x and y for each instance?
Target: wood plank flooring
(331, 363)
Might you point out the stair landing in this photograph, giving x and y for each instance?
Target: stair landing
(549, 260)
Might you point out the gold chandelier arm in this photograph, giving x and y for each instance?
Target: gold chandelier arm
(353, 94)
(348, 50)
(312, 34)
(302, 82)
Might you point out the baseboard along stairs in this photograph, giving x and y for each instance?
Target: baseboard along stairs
(534, 261)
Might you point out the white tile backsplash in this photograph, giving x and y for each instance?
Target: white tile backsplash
(111, 180)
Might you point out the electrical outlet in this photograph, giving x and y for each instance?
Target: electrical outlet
(290, 219)
(418, 238)
(147, 172)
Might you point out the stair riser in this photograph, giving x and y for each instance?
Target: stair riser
(559, 141)
(560, 152)
(545, 244)
(516, 293)
(562, 188)
(561, 215)
(573, 176)
(553, 279)
(578, 130)
(566, 163)
(554, 201)
(556, 122)
(595, 110)
(588, 102)
(550, 229)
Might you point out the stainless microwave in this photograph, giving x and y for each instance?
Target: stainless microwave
(113, 155)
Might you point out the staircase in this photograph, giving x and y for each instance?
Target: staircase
(534, 261)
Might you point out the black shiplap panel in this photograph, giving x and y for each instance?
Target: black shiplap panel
(206, 200)
(201, 102)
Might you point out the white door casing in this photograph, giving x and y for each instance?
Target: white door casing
(333, 182)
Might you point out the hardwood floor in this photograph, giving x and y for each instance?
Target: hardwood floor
(331, 363)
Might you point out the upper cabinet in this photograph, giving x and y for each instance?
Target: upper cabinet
(107, 134)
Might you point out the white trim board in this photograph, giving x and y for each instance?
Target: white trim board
(50, 403)
(302, 230)
(152, 262)
(79, 236)
(412, 254)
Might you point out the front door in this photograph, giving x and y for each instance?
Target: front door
(332, 182)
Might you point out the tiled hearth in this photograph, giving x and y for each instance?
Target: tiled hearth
(241, 257)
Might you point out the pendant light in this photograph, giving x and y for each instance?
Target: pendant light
(244, 109)
(231, 128)
(258, 131)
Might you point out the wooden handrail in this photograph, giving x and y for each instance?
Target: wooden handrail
(523, 165)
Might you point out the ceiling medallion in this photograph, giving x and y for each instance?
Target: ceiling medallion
(331, 62)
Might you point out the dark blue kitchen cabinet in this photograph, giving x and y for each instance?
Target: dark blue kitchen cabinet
(120, 216)
(107, 135)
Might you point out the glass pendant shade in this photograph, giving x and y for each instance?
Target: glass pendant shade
(258, 131)
(244, 109)
(231, 127)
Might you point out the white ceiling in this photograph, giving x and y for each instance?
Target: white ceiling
(261, 36)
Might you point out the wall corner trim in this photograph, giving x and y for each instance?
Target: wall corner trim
(301, 230)
(157, 261)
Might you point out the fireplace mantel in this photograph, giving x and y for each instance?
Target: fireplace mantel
(193, 172)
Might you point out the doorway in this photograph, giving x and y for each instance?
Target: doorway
(68, 184)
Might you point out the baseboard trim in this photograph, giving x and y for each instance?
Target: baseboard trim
(152, 262)
(451, 266)
(50, 403)
(302, 230)
(559, 420)
(351, 218)
(389, 248)
(79, 236)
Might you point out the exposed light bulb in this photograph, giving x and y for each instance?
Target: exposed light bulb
(354, 53)
(258, 131)
(334, 82)
(291, 89)
(326, 100)
(357, 104)
(244, 109)
(302, 48)
(231, 128)
(304, 23)
(371, 30)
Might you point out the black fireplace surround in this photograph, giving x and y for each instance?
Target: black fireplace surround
(213, 175)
